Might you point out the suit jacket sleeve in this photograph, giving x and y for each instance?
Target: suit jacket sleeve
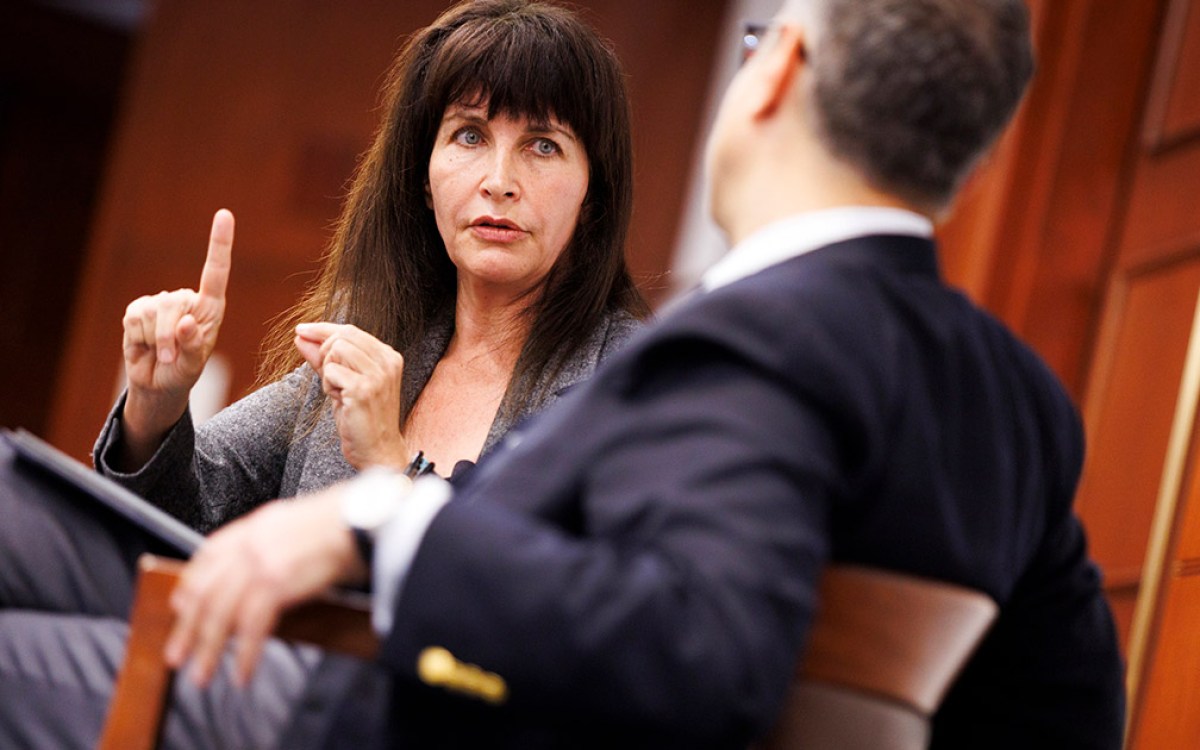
(666, 574)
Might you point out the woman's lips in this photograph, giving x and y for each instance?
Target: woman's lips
(497, 232)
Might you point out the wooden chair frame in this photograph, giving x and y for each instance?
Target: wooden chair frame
(884, 638)
(883, 651)
(135, 714)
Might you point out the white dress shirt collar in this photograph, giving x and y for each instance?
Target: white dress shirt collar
(788, 238)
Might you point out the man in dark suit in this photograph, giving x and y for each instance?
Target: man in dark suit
(638, 566)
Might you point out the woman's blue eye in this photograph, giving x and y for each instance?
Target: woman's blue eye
(468, 137)
(545, 147)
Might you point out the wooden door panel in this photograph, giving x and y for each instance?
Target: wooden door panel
(1170, 706)
(1136, 379)
(1164, 206)
(1188, 554)
(1159, 238)
(1175, 108)
(1186, 560)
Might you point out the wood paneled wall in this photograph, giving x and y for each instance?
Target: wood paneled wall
(263, 108)
(55, 122)
(1160, 246)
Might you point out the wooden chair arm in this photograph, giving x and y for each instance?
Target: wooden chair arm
(900, 637)
(336, 622)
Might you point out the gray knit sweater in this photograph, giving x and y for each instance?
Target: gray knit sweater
(260, 448)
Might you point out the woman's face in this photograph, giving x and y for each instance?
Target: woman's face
(506, 194)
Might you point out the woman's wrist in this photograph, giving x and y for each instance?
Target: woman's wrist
(145, 422)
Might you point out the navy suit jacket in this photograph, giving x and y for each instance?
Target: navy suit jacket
(640, 563)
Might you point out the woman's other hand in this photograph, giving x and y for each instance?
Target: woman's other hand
(362, 376)
(168, 338)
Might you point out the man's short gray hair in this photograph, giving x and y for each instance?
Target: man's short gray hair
(913, 92)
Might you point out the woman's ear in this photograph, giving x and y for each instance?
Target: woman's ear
(428, 195)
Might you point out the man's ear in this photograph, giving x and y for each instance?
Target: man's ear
(779, 66)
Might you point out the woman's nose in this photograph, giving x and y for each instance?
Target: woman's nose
(501, 178)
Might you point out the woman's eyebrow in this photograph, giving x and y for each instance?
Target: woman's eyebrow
(551, 127)
(470, 114)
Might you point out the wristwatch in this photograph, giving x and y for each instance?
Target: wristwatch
(369, 501)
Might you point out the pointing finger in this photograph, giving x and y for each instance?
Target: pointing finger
(215, 276)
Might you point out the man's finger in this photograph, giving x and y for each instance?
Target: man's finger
(214, 625)
(215, 276)
(189, 600)
(256, 619)
(182, 639)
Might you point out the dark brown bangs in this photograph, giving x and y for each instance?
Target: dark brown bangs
(521, 66)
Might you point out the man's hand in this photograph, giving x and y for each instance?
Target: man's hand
(248, 572)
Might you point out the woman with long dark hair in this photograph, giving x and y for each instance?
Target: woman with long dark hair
(477, 271)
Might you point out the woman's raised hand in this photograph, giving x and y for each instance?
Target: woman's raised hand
(168, 338)
(362, 376)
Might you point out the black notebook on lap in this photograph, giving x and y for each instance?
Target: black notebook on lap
(36, 452)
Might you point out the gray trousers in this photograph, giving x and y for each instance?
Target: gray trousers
(66, 587)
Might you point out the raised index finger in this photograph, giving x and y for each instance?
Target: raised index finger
(215, 276)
